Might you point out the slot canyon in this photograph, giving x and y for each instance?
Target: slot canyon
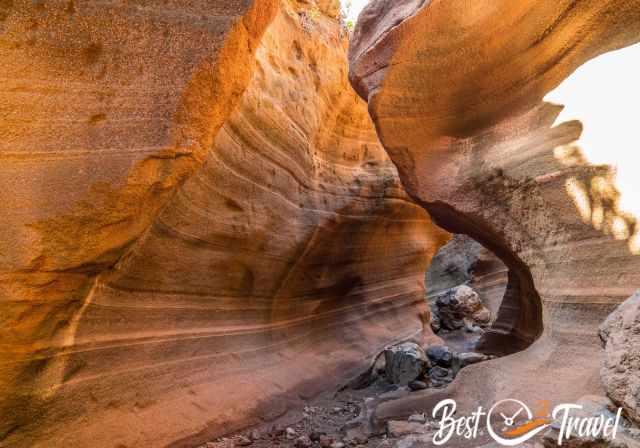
(266, 223)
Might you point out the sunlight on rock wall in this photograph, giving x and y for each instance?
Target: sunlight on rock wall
(609, 199)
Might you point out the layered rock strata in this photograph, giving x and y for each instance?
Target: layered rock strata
(456, 90)
(200, 227)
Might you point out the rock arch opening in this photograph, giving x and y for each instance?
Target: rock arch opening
(515, 304)
(465, 284)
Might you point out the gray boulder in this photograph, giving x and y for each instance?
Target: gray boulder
(620, 372)
(440, 355)
(405, 363)
(469, 358)
(418, 385)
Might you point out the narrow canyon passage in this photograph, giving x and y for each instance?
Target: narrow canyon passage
(468, 288)
(518, 318)
(262, 223)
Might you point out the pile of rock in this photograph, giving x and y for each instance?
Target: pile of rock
(317, 427)
(410, 365)
(405, 363)
(458, 308)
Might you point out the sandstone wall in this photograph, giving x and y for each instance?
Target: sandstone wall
(200, 227)
(455, 89)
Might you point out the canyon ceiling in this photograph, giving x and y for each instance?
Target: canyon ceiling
(204, 224)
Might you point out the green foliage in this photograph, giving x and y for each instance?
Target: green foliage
(344, 15)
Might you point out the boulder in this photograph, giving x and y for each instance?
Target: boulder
(418, 385)
(246, 441)
(399, 428)
(438, 372)
(435, 321)
(417, 418)
(464, 261)
(440, 355)
(405, 363)
(620, 371)
(440, 377)
(467, 300)
(468, 358)
(460, 307)
(303, 442)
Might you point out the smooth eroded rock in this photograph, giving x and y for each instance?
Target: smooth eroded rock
(196, 210)
(456, 91)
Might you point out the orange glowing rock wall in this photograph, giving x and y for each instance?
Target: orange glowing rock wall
(199, 225)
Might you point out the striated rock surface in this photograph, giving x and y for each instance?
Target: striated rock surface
(200, 227)
(621, 368)
(106, 110)
(455, 90)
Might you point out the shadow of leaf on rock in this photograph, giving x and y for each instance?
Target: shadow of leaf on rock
(597, 198)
